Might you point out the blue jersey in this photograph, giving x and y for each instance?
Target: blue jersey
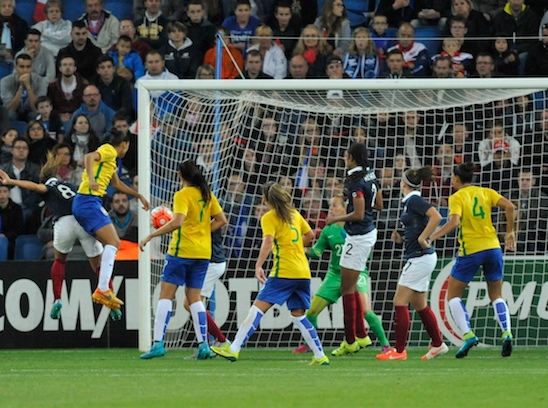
(239, 34)
(414, 221)
(59, 197)
(361, 183)
(217, 253)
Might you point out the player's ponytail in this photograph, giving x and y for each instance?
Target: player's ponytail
(465, 172)
(414, 177)
(51, 166)
(192, 174)
(279, 200)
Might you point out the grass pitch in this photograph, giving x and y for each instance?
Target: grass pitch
(271, 378)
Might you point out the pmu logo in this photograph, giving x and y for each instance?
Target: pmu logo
(527, 298)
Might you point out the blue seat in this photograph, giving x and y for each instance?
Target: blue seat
(28, 247)
(429, 36)
(6, 68)
(20, 126)
(3, 248)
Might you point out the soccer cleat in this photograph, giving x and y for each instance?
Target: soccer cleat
(506, 344)
(225, 352)
(392, 355)
(324, 361)
(303, 348)
(346, 348)
(56, 310)
(195, 355)
(364, 341)
(434, 352)
(106, 298)
(115, 314)
(204, 351)
(157, 350)
(467, 345)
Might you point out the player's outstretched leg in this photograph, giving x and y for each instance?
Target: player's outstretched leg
(311, 337)
(250, 324)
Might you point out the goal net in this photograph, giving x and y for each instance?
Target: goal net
(244, 133)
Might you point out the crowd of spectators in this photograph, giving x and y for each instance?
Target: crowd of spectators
(72, 81)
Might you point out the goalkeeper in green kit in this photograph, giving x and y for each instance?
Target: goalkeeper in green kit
(332, 237)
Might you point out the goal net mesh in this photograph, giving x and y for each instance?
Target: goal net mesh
(298, 138)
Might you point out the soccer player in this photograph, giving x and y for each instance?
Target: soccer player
(419, 219)
(100, 171)
(215, 270)
(332, 237)
(470, 209)
(58, 196)
(285, 233)
(188, 255)
(363, 194)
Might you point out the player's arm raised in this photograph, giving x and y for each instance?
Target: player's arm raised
(26, 184)
(120, 186)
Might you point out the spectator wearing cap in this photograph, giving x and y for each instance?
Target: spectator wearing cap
(334, 68)
(498, 142)
(536, 63)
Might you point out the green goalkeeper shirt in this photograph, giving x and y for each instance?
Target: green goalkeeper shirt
(332, 237)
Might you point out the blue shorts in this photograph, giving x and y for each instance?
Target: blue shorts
(296, 292)
(90, 213)
(187, 272)
(466, 266)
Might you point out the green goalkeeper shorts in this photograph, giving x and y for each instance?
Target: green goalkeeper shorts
(330, 288)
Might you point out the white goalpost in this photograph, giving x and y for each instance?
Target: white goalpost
(247, 132)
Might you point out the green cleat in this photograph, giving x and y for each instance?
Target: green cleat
(364, 341)
(225, 352)
(346, 348)
(324, 361)
(115, 314)
(56, 310)
(157, 350)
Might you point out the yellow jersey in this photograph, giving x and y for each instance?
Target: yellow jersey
(289, 259)
(193, 238)
(476, 232)
(102, 171)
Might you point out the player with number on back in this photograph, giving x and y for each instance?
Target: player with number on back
(363, 193)
(332, 237)
(58, 196)
(285, 233)
(470, 210)
(419, 219)
(188, 257)
(87, 207)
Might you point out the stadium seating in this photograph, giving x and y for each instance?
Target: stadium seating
(28, 247)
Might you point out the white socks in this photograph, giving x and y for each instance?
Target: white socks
(107, 266)
(248, 327)
(460, 315)
(163, 314)
(199, 319)
(310, 335)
